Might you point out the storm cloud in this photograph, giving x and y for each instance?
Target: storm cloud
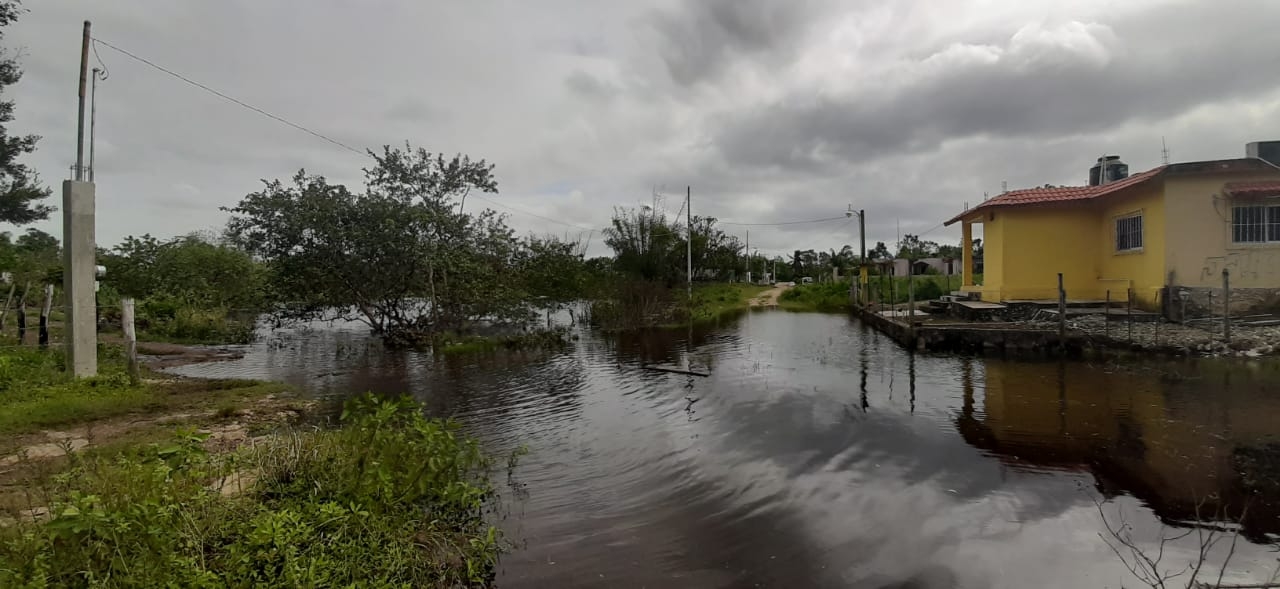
(770, 111)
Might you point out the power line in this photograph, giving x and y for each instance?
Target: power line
(233, 100)
(782, 223)
(294, 125)
(524, 212)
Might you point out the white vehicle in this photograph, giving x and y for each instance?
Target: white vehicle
(806, 280)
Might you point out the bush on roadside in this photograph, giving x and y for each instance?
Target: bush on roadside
(390, 499)
(825, 296)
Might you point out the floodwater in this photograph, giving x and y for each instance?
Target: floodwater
(817, 453)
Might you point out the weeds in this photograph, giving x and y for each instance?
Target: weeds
(824, 297)
(36, 392)
(390, 499)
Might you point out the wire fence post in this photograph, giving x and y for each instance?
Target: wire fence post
(43, 335)
(22, 314)
(1062, 316)
(1160, 317)
(130, 340)
(1106, 316)
(1226, 305)
(1129, 313)
(7, 301)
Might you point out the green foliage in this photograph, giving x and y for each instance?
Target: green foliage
(390, 499)
(929, 286)
(927, 289)
(913, 248)
(644, 244)
(36, 392)
(164, 321)
(649, 247)
(637, 304)
(400, 257)
(20, 190)
(188, 289)
(34, 258)
(713, 301)
(453, 343)
(825, 297)
(186, 271)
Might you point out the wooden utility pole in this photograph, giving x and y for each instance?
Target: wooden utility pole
(84, 80)
(130, 340)
(43, 335)
(688, 212)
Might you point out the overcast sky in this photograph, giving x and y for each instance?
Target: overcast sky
(772, 111)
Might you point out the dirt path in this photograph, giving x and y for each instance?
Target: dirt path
(769, 298)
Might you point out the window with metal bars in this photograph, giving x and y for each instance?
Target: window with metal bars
(1255, 223)
(1129, 233)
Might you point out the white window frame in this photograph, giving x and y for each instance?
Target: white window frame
(1141, 232)
(1268, 225)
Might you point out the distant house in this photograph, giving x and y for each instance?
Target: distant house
(1165, 231)
(926, 266)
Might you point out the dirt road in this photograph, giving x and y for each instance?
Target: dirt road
(769, 298)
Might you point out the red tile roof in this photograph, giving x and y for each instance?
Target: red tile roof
(1050, 195)
(1258, 189)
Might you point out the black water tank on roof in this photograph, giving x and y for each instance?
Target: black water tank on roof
(1115, 170)
(1264, 150)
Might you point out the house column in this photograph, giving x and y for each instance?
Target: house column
(966, 254)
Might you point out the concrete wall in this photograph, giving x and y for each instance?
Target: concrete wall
(1143, 270)
(1199, 223)
(1038, 242)
(992, 257)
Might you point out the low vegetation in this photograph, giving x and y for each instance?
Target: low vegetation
(641, 304)
(389, 499)
(37, 393)
(714, 301)
(828, 297)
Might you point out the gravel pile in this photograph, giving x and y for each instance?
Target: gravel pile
(1205, 339)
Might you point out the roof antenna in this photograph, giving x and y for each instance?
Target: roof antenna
(1004, 186)
(1164, 151)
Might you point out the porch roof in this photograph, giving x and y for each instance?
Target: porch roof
(1264, 188)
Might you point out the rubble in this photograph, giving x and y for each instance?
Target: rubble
(1199, 339)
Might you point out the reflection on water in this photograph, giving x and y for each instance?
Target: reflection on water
(818, 453)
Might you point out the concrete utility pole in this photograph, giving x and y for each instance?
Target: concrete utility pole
(747, 250)
(79, 249)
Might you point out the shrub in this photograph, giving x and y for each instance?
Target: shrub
(391, 499)
(927, 289)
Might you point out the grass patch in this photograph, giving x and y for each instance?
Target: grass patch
(714, 301)
(390, 499)
(452, 343)
(827, 297)
(37, 393)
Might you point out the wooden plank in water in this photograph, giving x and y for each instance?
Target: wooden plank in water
(674, 370)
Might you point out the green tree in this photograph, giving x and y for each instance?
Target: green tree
(880, 252)
(400, 257)
(644, 244)
(913, 248)
(20, 190)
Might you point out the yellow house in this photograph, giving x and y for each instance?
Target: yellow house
(1158, 234)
